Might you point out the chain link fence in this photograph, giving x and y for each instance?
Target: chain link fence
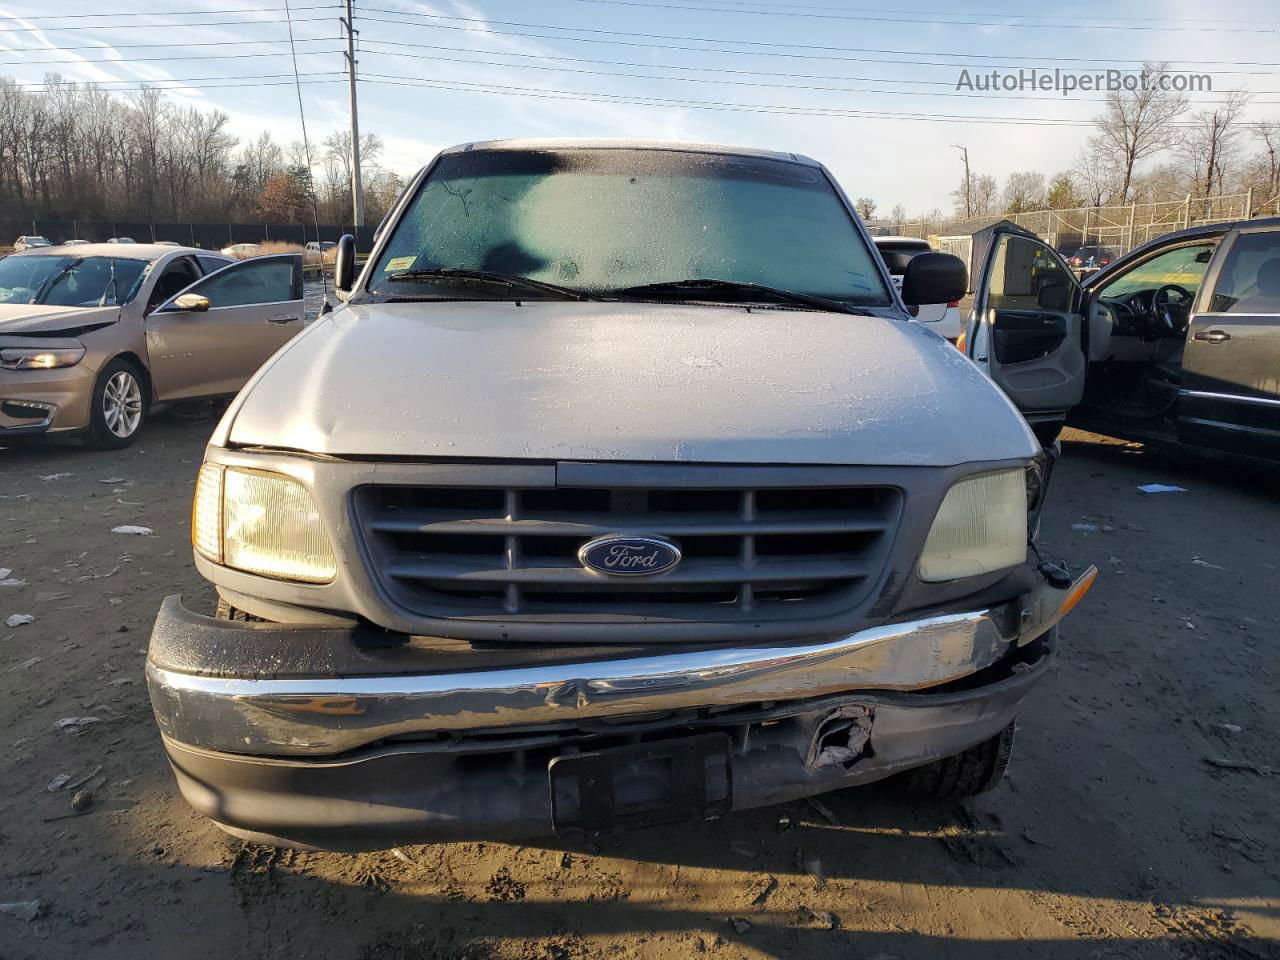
(1118, 228)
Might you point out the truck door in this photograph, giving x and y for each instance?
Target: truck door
(1230, 393)
(1026, 329)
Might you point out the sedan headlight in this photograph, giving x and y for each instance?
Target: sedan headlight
(980, 527)
(40, 358)
(261, 523)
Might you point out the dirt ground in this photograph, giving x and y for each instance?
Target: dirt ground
(1114, 835)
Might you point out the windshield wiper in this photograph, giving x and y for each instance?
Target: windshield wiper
(486, 276)
(51, 280)
(757, 290)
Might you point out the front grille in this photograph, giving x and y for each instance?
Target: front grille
(748, 554)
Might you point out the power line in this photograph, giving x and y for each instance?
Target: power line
(323, 73)
(772, 48)
(132, 46)
(785, 109)
(435, 58)
(669, 102)
(1073, 24)
(772, 51)
(990, 13)
(306, 150)
(1088, 23)
(202, 56)
(175, 85)
(174, 80)
(534, 56)
(167, 13)
(725, 6)
(136, 26)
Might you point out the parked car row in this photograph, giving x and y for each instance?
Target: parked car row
(32, 242)
(324, 248)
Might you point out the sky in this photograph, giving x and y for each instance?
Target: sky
(867, 87)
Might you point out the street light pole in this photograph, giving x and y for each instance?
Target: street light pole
(968, 202)
(357, 188)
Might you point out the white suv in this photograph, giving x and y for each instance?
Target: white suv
(942, 318)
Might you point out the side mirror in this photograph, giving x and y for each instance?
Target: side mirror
(193, 302)
(934, 278)
(344, 265)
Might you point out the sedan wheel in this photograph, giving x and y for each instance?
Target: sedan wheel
(119, 406)
(122, 404)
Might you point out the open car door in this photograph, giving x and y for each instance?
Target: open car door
(210, 338)
(1025, 331)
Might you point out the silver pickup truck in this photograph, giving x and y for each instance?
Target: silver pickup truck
(621, 490)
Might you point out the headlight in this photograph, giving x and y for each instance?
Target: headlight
(980, 527)
(40, 358)
(261, 523)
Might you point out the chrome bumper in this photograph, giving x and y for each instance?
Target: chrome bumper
(325, 716)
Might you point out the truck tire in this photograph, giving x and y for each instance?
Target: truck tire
(118, 407)
(967, 774)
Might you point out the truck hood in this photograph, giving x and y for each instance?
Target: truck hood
(626, 381)
(29, 318)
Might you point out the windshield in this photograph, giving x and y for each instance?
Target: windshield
(604, 221)
(68, 281)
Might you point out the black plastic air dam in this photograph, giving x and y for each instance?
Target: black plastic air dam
(409, 792)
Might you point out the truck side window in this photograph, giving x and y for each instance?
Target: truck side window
(1250, 279)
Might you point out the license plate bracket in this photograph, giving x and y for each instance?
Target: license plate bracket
(643, 784)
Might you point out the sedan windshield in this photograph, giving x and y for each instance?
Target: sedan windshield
(612, 222)
(69, 281)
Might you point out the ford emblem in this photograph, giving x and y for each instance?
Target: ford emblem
(629, 556)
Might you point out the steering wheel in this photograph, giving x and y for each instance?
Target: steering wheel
(1174, 315)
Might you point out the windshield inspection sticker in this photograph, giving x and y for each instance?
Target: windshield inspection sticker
(399, 263)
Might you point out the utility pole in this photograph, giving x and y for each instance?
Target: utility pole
(968, 203)
(357, 189)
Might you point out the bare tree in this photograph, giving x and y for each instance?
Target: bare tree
(898, 214)
(1095, 172)
(1166, 182)
(1138, 123)
(380, 192)
(983, 194)
(1212, 142)
(1267, 166)
(1024, 191)
(976, 197)
(866, 207)
(337, 147)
